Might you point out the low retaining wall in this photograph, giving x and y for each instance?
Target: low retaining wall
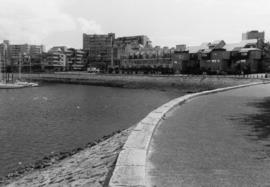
(130, 167)
(84, 75)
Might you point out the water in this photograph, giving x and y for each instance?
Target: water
(35, 122)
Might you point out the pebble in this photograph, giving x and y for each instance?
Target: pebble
(77, 168)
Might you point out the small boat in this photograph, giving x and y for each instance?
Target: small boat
(10, 86)
(30, 84)
(5, 84)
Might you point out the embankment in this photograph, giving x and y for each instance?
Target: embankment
(197, 83)
(93, 164)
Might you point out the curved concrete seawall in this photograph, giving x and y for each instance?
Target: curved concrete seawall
(131, 162)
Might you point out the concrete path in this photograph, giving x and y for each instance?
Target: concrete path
(220, 139)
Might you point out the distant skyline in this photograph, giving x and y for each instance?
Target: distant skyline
(165, 22)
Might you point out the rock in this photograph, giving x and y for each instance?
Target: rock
(91, 166)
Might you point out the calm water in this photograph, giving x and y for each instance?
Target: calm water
(56, 117)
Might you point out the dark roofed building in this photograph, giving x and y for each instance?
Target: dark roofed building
(254, 35)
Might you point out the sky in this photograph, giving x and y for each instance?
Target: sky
(165, 22)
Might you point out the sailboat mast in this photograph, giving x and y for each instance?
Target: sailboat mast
(4, 69)
(1, 62)
(20, 66)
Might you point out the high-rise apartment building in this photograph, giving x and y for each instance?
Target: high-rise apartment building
(100, 47)
(17, 50)
(91, 41)
(36, 50)
(17, 53)
(3, 53)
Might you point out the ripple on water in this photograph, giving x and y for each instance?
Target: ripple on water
(56, 117)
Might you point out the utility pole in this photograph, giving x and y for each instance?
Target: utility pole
(30, 70)
(4, 69)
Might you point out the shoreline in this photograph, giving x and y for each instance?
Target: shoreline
(156, 82)
(131, 170)
(52, 160)
(22, 175)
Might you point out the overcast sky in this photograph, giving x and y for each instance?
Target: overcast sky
(166, 22)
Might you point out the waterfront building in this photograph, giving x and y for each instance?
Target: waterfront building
(135, 40)
(75, 59)
(215, 58)
(16, 50)
(3, 57)
(23, 55)
(245, 56)
(252, 43)
(69, 58)
(79, 61)
(180, 60)
(129, 44)
(36, 50)
(32, 50)
(55, 59)
(108, 50)
(148, 59)
(100, 48)
(181, 47)
(61, 58)
(254, 34)
(3, 51)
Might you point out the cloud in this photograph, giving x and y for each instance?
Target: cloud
(89, 26)
(32, 21)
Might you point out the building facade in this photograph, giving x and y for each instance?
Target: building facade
(17, 57)
(36, 50)
(138, 40)
(76, 59)
(254, 35)
(100, 48)
(55, 59)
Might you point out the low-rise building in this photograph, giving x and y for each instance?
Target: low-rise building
(215, 59)
(76, 59)
(193, 64)
(181, 61)
(61, 58)
(245, 56)
(246, 60)
(254, 34)
(56, 59)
